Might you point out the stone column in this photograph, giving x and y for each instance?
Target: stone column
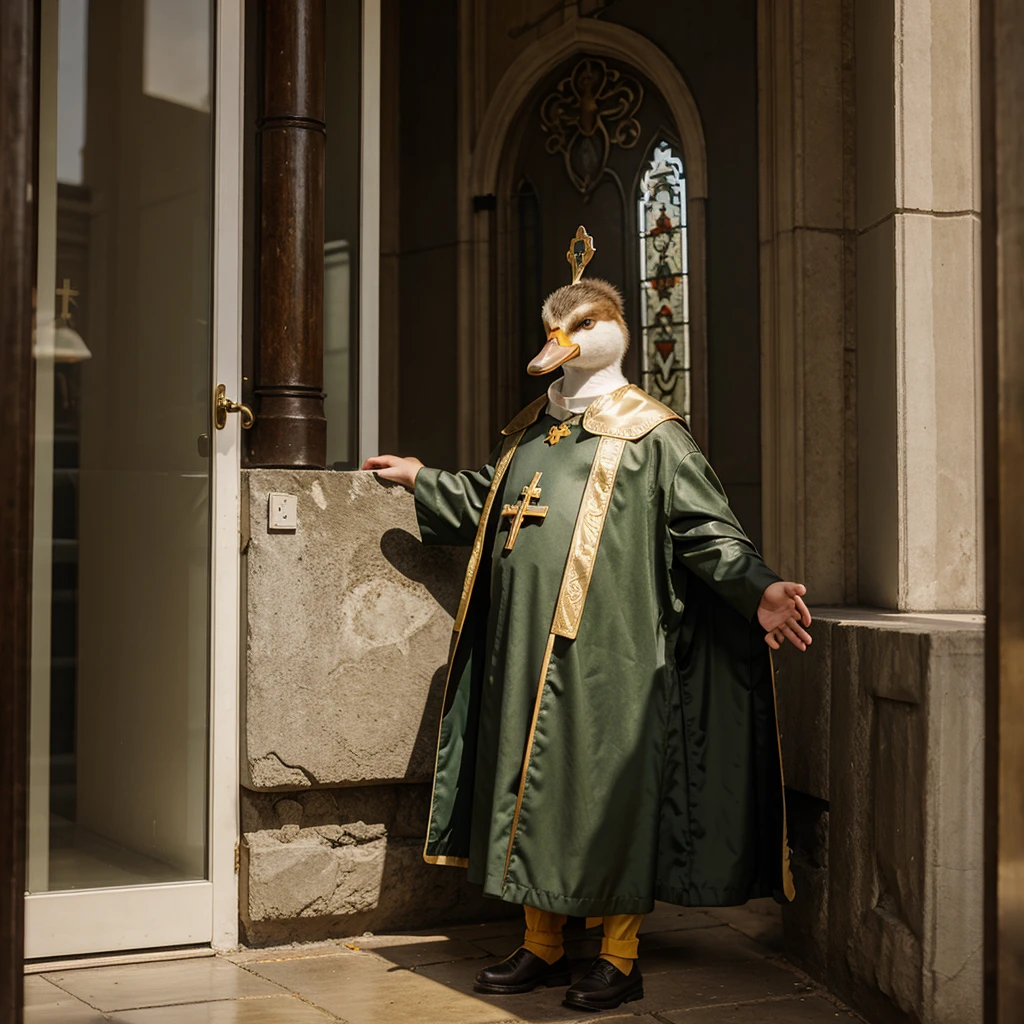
(807, 287)
(918, 330)
(291, 429)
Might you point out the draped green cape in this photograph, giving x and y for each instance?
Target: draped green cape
(608, 733)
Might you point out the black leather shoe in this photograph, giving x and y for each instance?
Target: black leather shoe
(604, 987)
(522, 972)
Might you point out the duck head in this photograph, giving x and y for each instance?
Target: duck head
(584, 323)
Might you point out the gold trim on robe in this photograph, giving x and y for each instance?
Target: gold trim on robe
(508, 449)
(586, 537)
(529, 749)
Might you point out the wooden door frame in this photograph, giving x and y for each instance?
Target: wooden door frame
(1002, 225)
(18, 129)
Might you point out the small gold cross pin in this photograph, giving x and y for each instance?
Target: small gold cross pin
(555, 434)
(531, 492)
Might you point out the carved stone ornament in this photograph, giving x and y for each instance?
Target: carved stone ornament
(592, 109)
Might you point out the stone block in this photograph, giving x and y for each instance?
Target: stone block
(937, 121)
(904, 840)
(938, 338)
(877, 428)
(403, 808)
(874, 35)
(825, 129)
(349, 621)
(310, 884)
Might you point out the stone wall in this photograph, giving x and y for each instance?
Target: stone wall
(883, 740)
(348, 622)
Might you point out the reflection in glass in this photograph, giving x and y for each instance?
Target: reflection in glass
(664, 281)
(119, 716)
(341, 229)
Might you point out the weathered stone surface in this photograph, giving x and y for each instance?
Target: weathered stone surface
(325, 882)
(402, 808)
(888, 871)
(348, 625)
(315, 872)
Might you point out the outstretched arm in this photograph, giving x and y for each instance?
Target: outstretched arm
(448, 505)
(709, 541)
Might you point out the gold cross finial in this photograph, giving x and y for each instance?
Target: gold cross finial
(555, 434)
(581, 252)
(531, 492)
(66, 294)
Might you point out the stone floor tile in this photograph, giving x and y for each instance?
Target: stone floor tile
(283, 1009)
(419, 950)
(471, 932)
(293, 951)
(760, 920)
(160, 984)
(667, 918)
(540, 1006)
(694, 987)
(364, 989)
(697, 946)
(808, 1010)
(47, 1004)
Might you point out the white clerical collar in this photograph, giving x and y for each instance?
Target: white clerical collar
(562, 408)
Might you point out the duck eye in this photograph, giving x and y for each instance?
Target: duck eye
(587, 324)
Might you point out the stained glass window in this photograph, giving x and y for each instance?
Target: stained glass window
(664, 281)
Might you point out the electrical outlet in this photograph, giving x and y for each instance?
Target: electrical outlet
(284, 512)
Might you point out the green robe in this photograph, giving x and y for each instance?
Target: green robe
(608, 732)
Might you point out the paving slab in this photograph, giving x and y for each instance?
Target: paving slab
(694, 947)
(47, 1004)
(161, 984)
(807, 1010)
(760, 920)
(292, 951)
(540, 1006)
(364, 989)
(666, 918)
(420, 950)
(282, 1009)
(719, 984)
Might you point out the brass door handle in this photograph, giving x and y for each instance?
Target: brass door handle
(222, 405)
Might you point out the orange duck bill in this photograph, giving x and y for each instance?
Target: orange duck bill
(558, 350)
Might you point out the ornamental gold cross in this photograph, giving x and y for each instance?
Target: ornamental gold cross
(531, 492)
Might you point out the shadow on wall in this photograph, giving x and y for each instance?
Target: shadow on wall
(429, 566)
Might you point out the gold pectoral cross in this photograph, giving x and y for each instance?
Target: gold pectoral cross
(531, 492)
(555, 434)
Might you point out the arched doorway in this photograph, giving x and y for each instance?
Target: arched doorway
(596, 145)
(535, 177)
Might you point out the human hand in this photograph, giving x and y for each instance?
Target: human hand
(783, 615)
(392, 467)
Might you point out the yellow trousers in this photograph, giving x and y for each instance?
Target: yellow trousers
(619, 944)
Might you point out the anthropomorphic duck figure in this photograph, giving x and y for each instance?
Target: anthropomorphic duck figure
(608, 735)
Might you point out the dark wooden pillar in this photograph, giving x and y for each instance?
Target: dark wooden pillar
(1002, 267)
(18, 33)
(290, 426)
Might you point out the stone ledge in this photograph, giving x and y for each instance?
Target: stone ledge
(883, 739)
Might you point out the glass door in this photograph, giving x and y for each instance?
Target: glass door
(135, 608)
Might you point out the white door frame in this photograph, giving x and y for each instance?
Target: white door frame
(225, 564)
(203, 912)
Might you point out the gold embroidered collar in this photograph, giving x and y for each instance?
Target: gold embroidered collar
(627, 413)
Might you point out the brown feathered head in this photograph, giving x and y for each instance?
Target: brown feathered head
(583, 322)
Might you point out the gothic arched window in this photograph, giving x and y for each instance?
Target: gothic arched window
(664, 281)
